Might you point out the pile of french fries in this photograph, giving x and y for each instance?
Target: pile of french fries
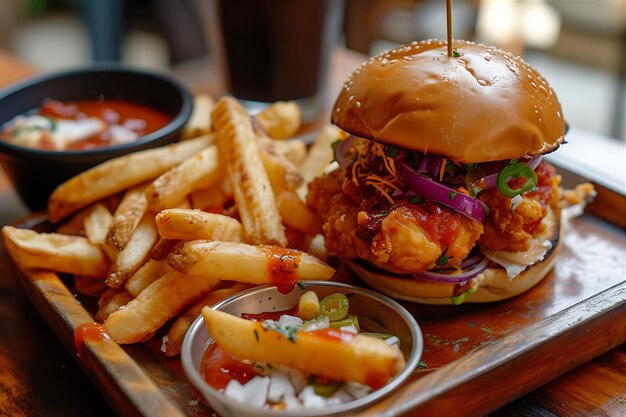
(160, 233)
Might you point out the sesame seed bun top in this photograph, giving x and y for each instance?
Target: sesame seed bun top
(482, 104)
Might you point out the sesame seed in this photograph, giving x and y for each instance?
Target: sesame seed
(358, 104)
(482, 82)
(384, 62)
(351, 98)
(337, 110)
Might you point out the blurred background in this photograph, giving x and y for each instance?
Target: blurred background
(579, 45)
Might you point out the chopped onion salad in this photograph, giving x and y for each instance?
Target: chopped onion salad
(275, 386)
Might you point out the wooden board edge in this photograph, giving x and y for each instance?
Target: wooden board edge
(466, 386)
(127, 388)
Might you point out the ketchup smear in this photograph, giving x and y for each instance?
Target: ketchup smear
(88, 332)
(219, 368)
(282, 267)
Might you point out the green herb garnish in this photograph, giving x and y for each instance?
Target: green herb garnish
(256, 335)
(452, 195)
(290, 332)
(422, 365)
(334, 146)
(416, 199)
(392, 152)
(443, 259)
(300, 284)
(456, 53)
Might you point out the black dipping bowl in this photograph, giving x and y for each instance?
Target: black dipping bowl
(36, 173)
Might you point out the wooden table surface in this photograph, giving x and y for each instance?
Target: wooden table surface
(38, 377)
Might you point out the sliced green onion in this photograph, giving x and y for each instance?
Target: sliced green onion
(515, 170)
(335, 306)
(351, 320)
(325, 390)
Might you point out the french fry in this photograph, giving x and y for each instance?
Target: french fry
(240, 262)
(162, 248)
(200, 121)
(358, 358)
(126, 218)
(97, 223)
(196, 224)
(146, 275)
(56, 252)
(119, 174)
(198, 171)
(320, 154)
(135, 253)
(296, 213)
(209, 199)
(155, 305)
(251, 187)
(178, 330)
(89, 286)
(75, 225)
(282, 174)
(281, 120)
(293, 150)
(117, 301)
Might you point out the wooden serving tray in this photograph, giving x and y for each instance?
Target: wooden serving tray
(479, 357)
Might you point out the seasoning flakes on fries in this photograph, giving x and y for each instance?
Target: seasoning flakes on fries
(130, 236)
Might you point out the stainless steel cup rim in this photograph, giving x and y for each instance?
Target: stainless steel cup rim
(197, 329)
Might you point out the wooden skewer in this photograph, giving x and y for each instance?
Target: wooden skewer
(449, 25)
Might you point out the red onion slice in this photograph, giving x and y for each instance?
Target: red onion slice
(455, 278)
(433, 190)
(341, 151)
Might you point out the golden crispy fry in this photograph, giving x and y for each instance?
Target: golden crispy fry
(119, 174)
(135, 253)
(155, 305)
(293, 150)
(75, 225)
(200, 121)
(209, 199)
(197, 224)
(251, 187)
(162, 248)
(320, 154)
(281, 120)
(146, 275)
(282, 174)
(178, 330)
(126, 218)
(56, 252)
(97, 223)
(240, 262)
(112, 304)
(296, 213)
(198, 171)
(89, 286)
(358, 358)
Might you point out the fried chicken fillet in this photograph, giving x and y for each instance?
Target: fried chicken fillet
(410, 238)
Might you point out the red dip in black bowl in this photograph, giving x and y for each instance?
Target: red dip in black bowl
(36, 170)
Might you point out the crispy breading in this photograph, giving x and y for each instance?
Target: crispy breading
(411, 238)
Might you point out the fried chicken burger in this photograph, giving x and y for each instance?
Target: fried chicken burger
(441, 195)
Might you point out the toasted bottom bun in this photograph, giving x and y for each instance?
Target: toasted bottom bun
(493, 283)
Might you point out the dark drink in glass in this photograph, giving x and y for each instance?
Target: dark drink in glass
(271, 50)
